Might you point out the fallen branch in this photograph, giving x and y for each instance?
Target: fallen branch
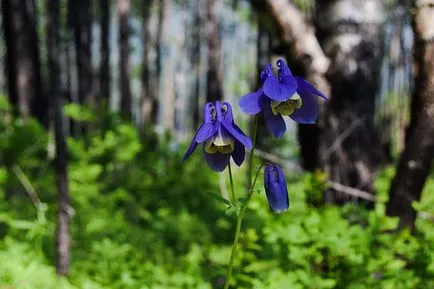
(351, 191)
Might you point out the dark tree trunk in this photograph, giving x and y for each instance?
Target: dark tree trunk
(104, 86)
(162, 12)
(214, 75)
(148, 105)
(126, 103)
(53, 49)
(83, 38)
(263, 57)
(416, 160)
(350, 33)
(22, 61)
(195, 59)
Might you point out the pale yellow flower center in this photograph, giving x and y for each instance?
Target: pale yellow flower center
(219, 144)
(287, 107)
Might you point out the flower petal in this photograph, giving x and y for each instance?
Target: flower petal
(251, 103)
(277, 196)
(207, 115)
(308, 113)
(227, 112)
(205, 132)
(218, 162)
(306, 87)
(190, 149)
(275, 123)
(238, 134)
(277, 90)
(239, 153)
(283, 68)
(266, 72)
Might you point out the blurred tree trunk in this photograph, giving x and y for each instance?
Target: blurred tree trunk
(104, 6)
(53, 49)
(214, 75)
(416, 160)
(162, 12)
(22, 61)
(123, 7)
(343, 142)
(148, 105)
(350, 33)
(306, 58)
(195, 59)
(263, 57)
(82, 19)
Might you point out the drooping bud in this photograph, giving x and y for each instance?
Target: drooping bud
(275, 188)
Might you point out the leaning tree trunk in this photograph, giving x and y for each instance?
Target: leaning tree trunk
(126, 102)
(214, 75)
(53, 49)
(416, 160)
(23, 66)
(148, 114)
(104, 72)
(350, 33)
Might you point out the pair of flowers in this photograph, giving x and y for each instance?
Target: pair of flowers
(281, 95)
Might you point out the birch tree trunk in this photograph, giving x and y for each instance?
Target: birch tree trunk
(343, 143)
(350, 34)
(416, 160)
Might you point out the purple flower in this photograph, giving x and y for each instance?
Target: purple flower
(283, 95)
(275, 188)
(220, 136)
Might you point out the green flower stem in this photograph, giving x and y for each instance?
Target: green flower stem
(233, 197)
(252, 152)
(234, 249)
(242, 211)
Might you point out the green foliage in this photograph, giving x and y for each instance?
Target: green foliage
(144, 219)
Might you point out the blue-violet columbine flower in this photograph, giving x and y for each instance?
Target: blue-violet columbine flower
(220, 136)
(275, 188)
(283, 95)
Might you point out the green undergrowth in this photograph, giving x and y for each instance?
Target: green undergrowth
(142, 218)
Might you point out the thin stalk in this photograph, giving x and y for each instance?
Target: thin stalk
(234, 250)
(234, 199)
(242, 211)
(252, 152)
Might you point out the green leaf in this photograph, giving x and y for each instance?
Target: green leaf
(219, 198)
(79, 112)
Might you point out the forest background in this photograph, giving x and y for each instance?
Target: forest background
(98, 100)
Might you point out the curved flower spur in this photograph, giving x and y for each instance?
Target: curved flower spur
(220, 136)
(284, 95)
